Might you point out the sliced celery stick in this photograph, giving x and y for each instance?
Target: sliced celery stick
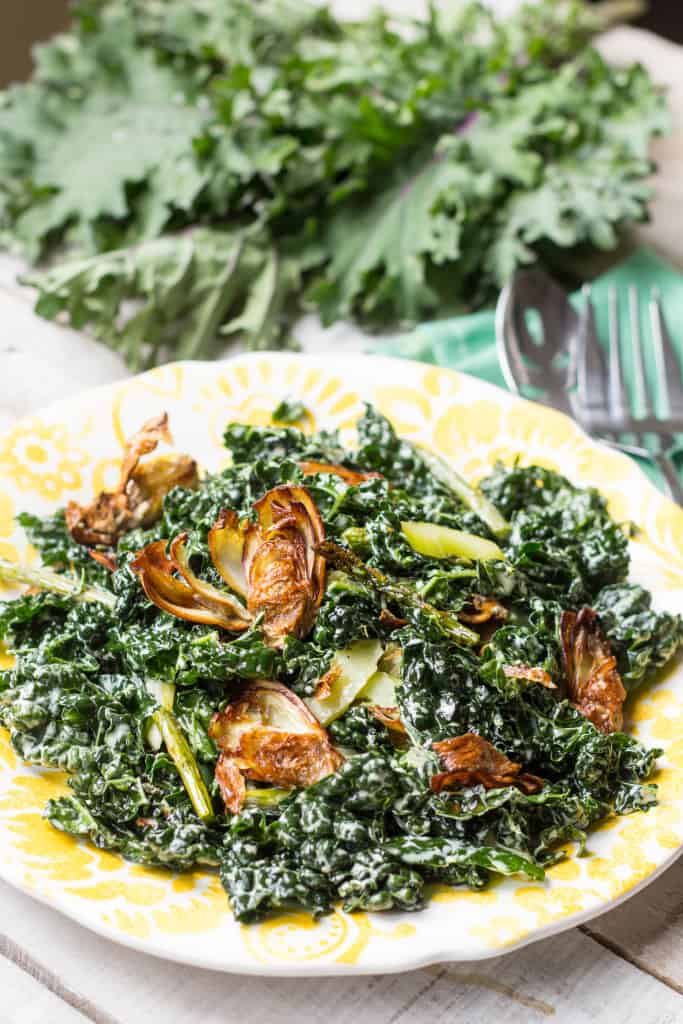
(350, 671)
(381, 690)
(444, 542)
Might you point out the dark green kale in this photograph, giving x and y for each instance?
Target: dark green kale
(58, 712)
(520, 645)
(358, 729)
(249, 444)
(642, 638)
(91, 663)
(562, 540)
(289, 410)
(446, 691)
(381, 450)
(371, 837)
(326, 844)
(56, 547)
(349, 611)
(139, 808)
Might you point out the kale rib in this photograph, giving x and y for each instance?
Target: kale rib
(475, 500)
(179, 751)
(58, 582)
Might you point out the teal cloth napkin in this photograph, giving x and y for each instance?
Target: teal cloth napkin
(467, 343)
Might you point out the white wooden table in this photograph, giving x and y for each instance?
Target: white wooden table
(627, 966)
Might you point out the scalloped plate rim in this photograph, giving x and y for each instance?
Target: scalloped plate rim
(398, 958)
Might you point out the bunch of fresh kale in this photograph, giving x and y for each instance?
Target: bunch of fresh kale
(197, 170)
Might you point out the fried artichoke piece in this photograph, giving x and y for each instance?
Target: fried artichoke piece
(269, 735)
(471, 760)
(391, 720)
(140, 492)
(274, 563)
(483, 610)
(226, 546)
(594, 685)
(531, 674)
(187, 597)
(231, 784)
(352, 477)
(103, 558)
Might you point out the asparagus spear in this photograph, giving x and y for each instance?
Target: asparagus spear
(343, 559)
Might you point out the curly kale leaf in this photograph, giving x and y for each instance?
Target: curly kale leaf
(379, 172)
(125, 123)
(642, 638)
(172, 296)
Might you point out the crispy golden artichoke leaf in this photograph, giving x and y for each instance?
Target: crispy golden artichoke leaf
(140, 491)
(284, 573)
(471, 760)
(270, 735)
(594, 685)
(170, 584)
(226, 546)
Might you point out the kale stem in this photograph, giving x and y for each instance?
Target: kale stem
(58, 582)
(475, 500)
(179, 751)
(345, 560)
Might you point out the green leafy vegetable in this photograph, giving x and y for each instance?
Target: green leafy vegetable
(206, 169)
(644, 639)
(123, 696)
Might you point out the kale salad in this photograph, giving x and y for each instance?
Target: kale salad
(334, 676)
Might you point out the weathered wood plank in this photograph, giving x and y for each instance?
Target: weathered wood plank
(26, 1001)
(569, 978)
(647, 930)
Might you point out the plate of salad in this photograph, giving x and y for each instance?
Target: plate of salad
(320, 664)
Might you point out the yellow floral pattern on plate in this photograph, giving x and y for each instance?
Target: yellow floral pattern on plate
(72, 450)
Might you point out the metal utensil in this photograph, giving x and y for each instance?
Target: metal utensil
(652, 429)
(537, 367)
(563, 365)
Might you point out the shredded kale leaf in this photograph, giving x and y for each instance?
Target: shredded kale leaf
(562, 539)
(644, 639)
(187, 173)
(84, 692)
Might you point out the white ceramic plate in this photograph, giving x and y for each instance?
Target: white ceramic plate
(73, 449)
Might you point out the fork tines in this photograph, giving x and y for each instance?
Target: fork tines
(602, 400)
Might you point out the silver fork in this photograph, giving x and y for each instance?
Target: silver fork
(601, 402)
